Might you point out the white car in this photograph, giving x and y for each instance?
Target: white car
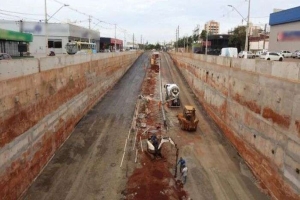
(249, 54)
(286, 54)
(271, 56)
(295, 53)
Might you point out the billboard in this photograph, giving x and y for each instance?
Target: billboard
(288, 36)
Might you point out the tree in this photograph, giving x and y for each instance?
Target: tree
(238, 38)
(203, 35)
(157, 46)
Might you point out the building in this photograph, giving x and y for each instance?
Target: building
(214, 44)
(14, 43)
(212, 27)
(285, 30)
(54, 38)
(259, 43)
(254, 30)
(109, 44)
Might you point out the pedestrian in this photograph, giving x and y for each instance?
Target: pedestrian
(181, 162)
(184, 174)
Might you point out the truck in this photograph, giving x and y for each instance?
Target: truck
(229, 52)
(172, 95)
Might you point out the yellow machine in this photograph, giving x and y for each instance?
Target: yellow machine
(187, 119)
(154, 61)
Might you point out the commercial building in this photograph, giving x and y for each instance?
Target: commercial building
(212, 27)
(109, 44)
(259, 43)
(14, 43)
(285, 30)
(51, 36)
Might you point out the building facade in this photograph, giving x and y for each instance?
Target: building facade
(212, 27)
(51, 36)
(285, 30)
(14, 43)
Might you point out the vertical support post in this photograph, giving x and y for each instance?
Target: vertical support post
(248, 28)
(265, 32)
(46, 29)
(115, 37)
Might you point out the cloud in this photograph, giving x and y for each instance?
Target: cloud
(156, 20)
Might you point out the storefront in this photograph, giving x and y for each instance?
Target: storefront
(14, 43)
(285, 30)
(109, 44)
(51, 37)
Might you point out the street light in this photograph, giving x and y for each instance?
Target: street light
(46, 22)
(248, 17)
(65, 5)
(237, 12)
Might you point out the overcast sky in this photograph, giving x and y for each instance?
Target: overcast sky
(155, 20)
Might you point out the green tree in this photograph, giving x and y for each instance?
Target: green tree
(157, 46)
(203, 35)
(237, 39)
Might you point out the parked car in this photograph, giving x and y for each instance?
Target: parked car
(5, 56)
(286, 54)
(271, 56)
(294, 54)
(249, 54)
(258, 53)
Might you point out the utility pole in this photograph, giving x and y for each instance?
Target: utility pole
(124, 47)
(184, 43)
(175, 43)
(115, 37)
(90, 22)
(265, 32)
(46, 29)
(178, 40)
(133, 41)
(21, 31)
(248, 28)
(141, 40)
(206, 42)
(187, 41)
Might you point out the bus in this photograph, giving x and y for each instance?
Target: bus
(76, 47)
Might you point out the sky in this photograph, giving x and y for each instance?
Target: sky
(151, 21)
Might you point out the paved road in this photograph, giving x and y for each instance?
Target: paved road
(215, 169)
(88, 164)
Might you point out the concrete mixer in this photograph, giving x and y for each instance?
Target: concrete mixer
(172, 95)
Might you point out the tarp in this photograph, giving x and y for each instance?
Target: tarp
(15, 36)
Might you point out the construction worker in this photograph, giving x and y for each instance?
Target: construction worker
(184, 174)
(181, 162)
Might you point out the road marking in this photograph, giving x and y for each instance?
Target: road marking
(123, 153)
(92, 125)
(136, 155)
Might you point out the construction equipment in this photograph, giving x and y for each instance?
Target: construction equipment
(154, 61)
(172, 95)
(154, 145)
(187, 119)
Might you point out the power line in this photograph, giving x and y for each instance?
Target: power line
(20, 13)
(16, 16)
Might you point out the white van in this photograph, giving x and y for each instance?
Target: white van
(229, 52)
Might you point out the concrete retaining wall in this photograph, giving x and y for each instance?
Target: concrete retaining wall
(257, 105)
(40, 103)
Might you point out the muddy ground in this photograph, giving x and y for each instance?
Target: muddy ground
(92, 163)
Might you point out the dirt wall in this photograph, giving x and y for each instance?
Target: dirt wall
(257, 105)
(41, 101)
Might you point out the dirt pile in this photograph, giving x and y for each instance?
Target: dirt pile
(153, 178)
